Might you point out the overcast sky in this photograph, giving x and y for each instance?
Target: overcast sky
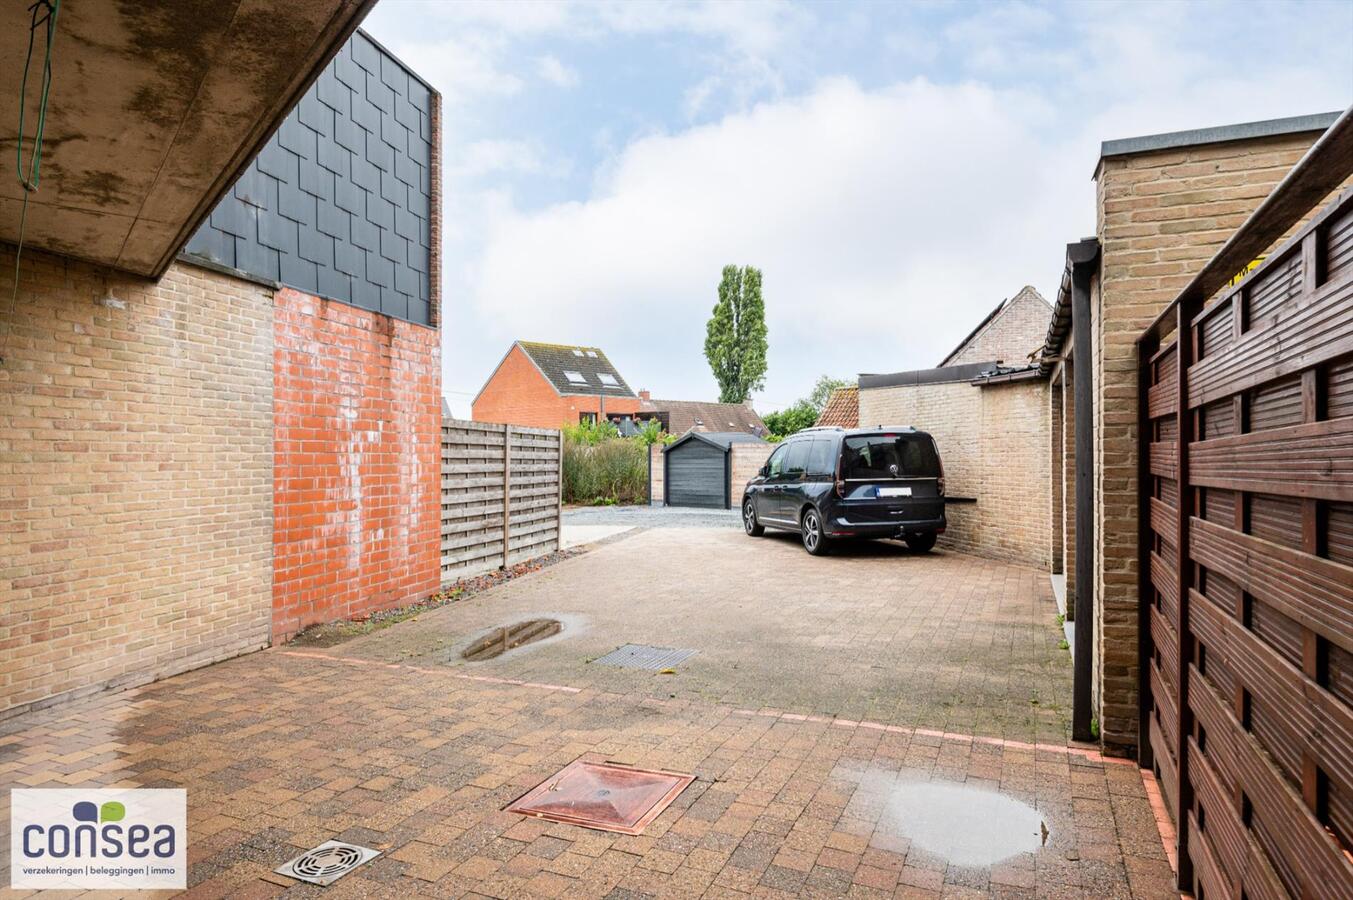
(895, 170)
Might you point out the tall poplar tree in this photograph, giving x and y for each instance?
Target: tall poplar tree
(735, 338)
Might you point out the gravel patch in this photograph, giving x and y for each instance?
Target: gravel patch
(652, 517)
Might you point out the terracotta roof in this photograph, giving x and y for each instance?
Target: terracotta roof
(576, 370)
(843, 408)
(688, 415)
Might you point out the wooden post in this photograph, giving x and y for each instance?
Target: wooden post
(1314, 652)
(507, 492)
(1146, 350)
(1185, 351)
(559, 507)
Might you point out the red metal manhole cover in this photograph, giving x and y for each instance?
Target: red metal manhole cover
(603, 796)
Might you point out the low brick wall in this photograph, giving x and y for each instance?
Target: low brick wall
(655, 475)
(135, 477)
(747, 461)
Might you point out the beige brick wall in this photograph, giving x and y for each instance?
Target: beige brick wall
(1161, 216)
(747, 460)
(994, 442)
(1067, 495)
(1011, 336)
(135, 477)
(655, 474)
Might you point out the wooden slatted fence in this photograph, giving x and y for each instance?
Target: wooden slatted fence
(476, 535)
(1247, 511)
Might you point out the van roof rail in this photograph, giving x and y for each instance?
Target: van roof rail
(819, 428)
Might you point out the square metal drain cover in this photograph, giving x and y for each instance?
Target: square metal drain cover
(327, 863)
(637, 656)
(603, 796)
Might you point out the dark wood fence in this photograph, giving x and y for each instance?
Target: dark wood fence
(500, 495)
(1247, 555)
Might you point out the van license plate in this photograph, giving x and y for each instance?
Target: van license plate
(895, 492)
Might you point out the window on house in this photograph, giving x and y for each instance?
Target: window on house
(592, 353)
(577, 353)
(587, 418)
(575, 377)
(608, 379)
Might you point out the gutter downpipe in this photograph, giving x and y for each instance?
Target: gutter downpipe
(1083, 262)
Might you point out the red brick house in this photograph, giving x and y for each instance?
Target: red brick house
(549, 385)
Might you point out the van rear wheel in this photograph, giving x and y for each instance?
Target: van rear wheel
(921, 541)
(810, 528)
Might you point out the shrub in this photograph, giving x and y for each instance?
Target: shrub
(591, 433)
(604, 470)
(794, 418)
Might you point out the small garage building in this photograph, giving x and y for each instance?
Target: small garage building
(697, 469)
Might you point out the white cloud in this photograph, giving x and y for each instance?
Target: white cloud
(464, 68)
(483, 157)
(887, 220)
(556, 73)
(870, 214)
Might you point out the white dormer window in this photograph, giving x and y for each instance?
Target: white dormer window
(592, 353)
(577, 353)
(608, 379)
(575, 377)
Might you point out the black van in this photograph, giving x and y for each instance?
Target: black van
(830, 483)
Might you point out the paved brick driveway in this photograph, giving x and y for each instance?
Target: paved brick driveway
(806, 714)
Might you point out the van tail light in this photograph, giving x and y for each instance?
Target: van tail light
(840, 488)
(940, 483)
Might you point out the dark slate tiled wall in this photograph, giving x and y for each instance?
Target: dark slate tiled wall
(338, 202)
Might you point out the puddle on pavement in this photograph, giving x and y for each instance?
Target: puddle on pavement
(509, 637)
(521, 635)
(964, 824)
(968, 826)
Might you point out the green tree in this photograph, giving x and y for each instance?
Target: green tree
(735, 338)
(822, 390)
(792, 418)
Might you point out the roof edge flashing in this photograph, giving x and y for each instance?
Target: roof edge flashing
(1195, 137)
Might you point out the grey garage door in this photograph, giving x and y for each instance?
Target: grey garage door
(695, 475)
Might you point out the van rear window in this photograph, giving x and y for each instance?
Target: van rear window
(882, 456)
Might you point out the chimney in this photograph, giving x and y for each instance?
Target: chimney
(645, 395)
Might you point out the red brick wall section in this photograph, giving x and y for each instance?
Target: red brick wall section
(357, 493)
(517, 394)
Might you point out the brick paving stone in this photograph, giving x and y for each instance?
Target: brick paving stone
(379, 743)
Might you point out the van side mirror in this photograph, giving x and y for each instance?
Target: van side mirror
(764, 470)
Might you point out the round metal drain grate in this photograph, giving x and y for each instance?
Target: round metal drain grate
(327, 862)
(508, 637)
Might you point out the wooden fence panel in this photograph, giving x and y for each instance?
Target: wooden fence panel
(1248, 670)
(500, 496)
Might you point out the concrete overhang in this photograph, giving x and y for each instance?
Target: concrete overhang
(155, 109)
